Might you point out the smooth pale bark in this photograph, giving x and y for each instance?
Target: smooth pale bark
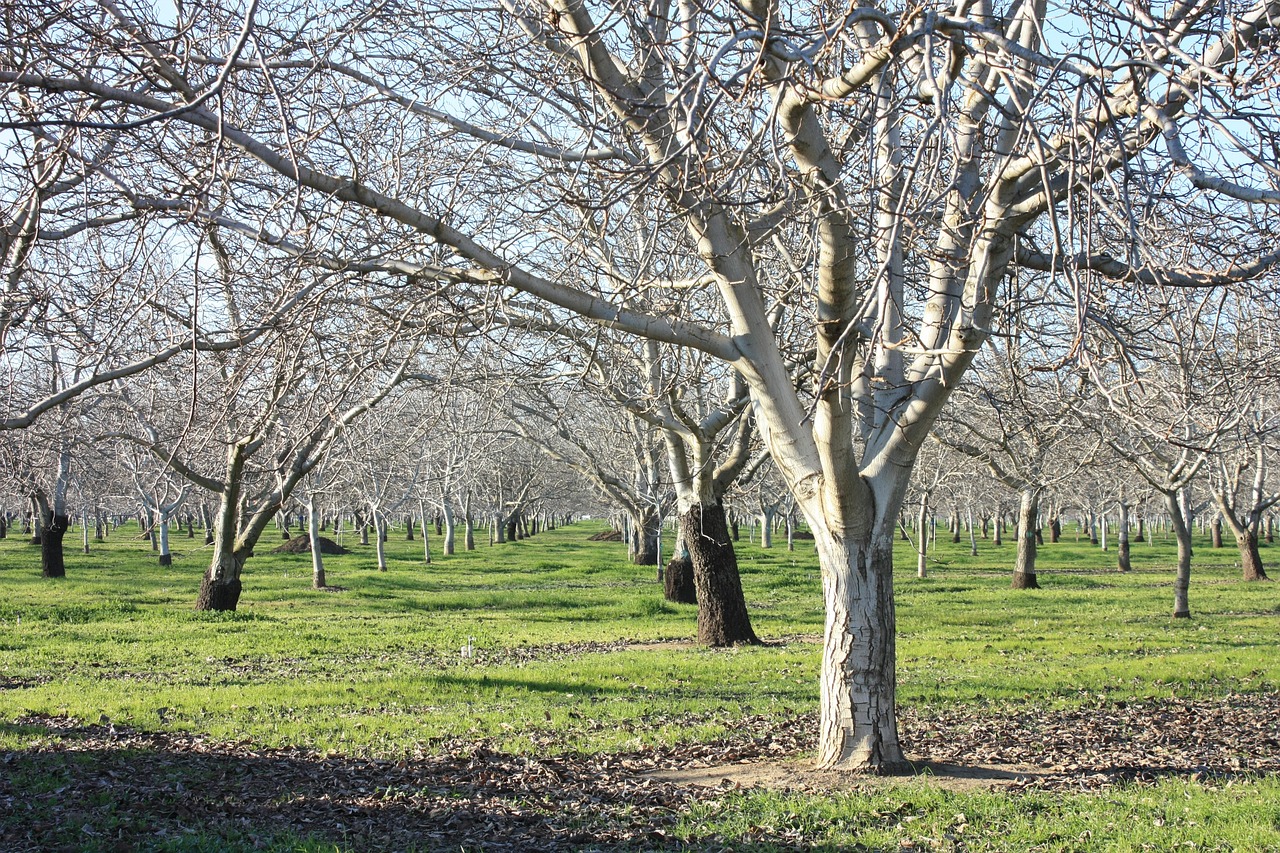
(922, 541)
(166, 558)
(767, 515)
(1024, 567)
(313, 533)
(1182, 579)
(380, 537)
(722, 608)
(84, 530)
(973, 536)
(450, 529)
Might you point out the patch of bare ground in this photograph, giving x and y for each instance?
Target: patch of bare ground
(149, 786)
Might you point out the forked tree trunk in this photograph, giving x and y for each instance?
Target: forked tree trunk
(722, 608)
(857, 728)
(1024, 567)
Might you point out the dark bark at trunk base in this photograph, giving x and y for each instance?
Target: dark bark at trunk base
(677, 581)
(1251, 560)
(166, 559)
(722, 609)
(52, 564)
(218, 596)
(1024, 580)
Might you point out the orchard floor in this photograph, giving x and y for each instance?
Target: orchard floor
(101, 787)
(579, 716)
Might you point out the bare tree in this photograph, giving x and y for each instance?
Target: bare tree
(878, 171)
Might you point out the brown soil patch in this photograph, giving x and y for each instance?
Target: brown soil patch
(302, 545)
(799, 775)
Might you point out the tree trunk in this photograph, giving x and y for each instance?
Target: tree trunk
(1024, 567)
(1215, 533)
(857, 727)
(722, 608)
(1182, 580)
(997, 526)
(677, 578)
(408, 530)
(766, 527)
(1122, 544)
(426, 540)
(52, 562)
(450, 529)
(166, 558)
(644, 538)
(380, 540)
(922, 541)
(1140, 535)
(973, 536)
(1250, 559)
(220, 589)
(317, 558)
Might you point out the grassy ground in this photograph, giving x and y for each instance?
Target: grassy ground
(576, 654)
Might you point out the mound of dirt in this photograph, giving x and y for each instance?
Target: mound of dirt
(607, 536)
(302, 545)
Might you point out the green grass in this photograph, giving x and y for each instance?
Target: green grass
(375, 670)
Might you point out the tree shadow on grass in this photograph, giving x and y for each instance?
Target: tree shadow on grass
(94, 787)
